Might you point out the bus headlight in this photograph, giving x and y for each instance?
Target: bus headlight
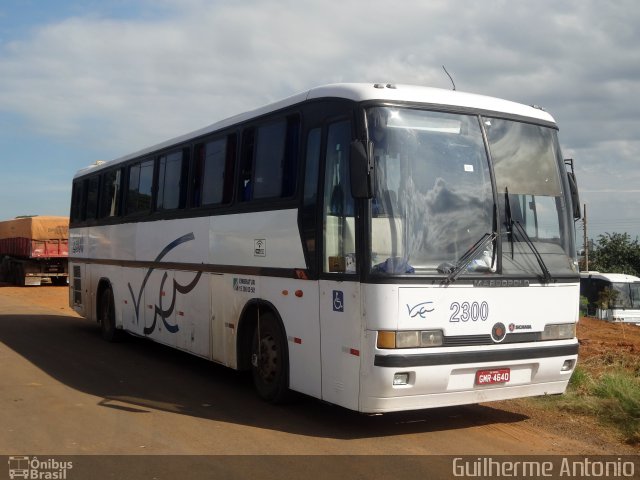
(409, 339)
(560, 331)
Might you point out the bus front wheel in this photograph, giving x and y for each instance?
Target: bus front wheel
(269, 360)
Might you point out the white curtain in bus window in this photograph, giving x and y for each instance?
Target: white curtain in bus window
(110, 197)
(338, 209)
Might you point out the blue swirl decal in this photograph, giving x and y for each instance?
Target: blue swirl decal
(177, 288)
(420, 310)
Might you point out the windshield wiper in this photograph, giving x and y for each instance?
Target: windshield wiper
(511, 223)
(507, 214)
(536, 253)
(453, 271)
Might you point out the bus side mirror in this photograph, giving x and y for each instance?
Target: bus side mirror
(575, 196)
(361, 171)
(573, 189)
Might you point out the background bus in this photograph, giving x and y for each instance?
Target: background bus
(380, 247)
(611, 296)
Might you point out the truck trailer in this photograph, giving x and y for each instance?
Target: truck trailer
(34, 250)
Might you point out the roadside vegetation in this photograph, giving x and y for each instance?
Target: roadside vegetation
(614, 253)
(606, 383)
(611, 393)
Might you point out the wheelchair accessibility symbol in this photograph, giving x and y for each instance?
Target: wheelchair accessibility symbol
(338, 301)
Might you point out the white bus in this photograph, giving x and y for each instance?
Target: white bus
(611, 296)
(380, 247)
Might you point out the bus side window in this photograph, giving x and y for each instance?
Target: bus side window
(110, 194)
(338, 209)
(309, 217)
(77, 201)
(140, 187)
(246, 168)
(213, 178)
(170, 181)
(229, 168)
(93, 186)
(290, 162)
(269, 160)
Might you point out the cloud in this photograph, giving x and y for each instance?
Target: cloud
(205, 61)
(121, 83)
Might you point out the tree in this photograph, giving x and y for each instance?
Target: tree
(615, 253)
(607, 298)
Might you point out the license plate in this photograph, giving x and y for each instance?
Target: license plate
(489, 377)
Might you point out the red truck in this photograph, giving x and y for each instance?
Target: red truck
(33, 249)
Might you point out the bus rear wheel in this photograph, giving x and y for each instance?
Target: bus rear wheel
(107, 317)
(270, 360)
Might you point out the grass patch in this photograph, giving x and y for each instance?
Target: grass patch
(580, 379)
(610, 395)
(619, 395)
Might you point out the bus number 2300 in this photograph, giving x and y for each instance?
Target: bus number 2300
(466, 311)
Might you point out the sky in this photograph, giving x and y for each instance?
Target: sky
(82, 81)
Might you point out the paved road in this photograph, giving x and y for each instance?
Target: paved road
(64, 391)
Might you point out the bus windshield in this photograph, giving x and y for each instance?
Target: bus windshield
(627, 295)
(434, 197)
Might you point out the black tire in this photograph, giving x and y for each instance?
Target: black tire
(107, 317)
(4, 271)
(20, 275)
(270, 360)
(13, 274)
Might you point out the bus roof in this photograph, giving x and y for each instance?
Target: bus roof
(358, 92)
(611, 277)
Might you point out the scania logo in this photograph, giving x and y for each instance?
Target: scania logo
(498, 332)
(513, 326)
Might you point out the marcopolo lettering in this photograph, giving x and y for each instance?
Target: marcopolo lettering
(505, 283)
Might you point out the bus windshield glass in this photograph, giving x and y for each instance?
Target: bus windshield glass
(434, 198)
(626, 296)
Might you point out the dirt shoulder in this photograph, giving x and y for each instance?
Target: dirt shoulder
(606, 342)
(47, 296)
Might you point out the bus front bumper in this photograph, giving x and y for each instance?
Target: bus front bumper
(414, 381)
